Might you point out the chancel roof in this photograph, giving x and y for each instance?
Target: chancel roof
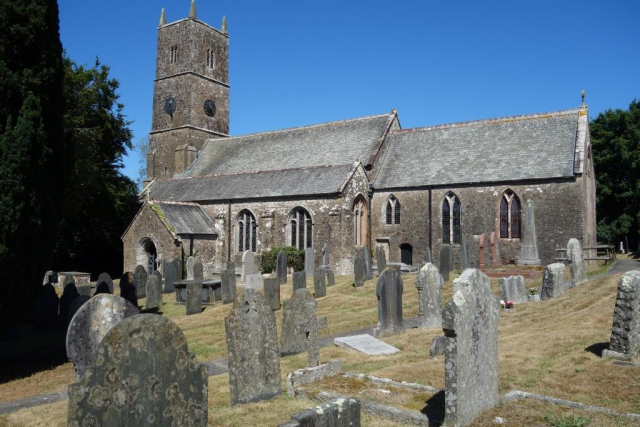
(537, 146)
(186, 218)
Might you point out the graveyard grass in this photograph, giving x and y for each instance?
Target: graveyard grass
(548, 348)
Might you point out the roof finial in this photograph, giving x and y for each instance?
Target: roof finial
(192, 12)
(224, 25)
(584, 93)
(163, 19)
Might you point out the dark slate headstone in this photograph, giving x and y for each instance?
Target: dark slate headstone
(177, 263)
(144, 376)
(310, 327)
(625, 334)
(446, 262)
(368, 263)
(194, 298)
(512, 289)
(389, 292)
(470, 324)
(198, 271)
(68, 279)
(529, 251)
(331, 277)
(89, 326)
(464, 253)
(102, 288)
(299, 280)
(319, 285)
(190, 262)
(381, 259)
(154, 292)
(302, 305)
(552, 281)
(69, 294)
(228, 283)
(309, 261)
(105, 278)
(76, 305)
(358, 271)
(429, 284)
(170, 277)
(140, 281)
(281, 267)
(272, 293)
(128, 289)
(338, 413)
(576, 262)
(252, 349)
(46, 309)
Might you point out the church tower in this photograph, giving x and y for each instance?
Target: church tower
(191, 93)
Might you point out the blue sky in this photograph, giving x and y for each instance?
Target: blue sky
(299, 62)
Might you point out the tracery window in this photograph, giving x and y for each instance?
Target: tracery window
(300, 228)
(246, 231)
(451, 217)
(392, 208)
(510, 214)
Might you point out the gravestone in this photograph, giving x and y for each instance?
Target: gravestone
(248, 268)
(470, 324)
(495, 251)
(446, 262)
(299, 280)
(69, 294)
(140, 281)
(331, 278)
(437, 346)
(228, 283)
(46, 309)
(128, 289)
(389, 292)
(177, 263)
(552, 281)
(90, 325)
(464, 253)
(253, 281)
(105, 278)
(281, 267)
(529, 251)
(252, 349)
(190, 263)
(429, 285)
(198, 273)
(325, 257)
(154, 292)
(76, 305)
(319, 285)
(381, 259)
(310, 327)
(484, 259)
(85, 290)
(68, 279)
(272, 293)
(358, 271)
(309, 261)
(337, 413)
(576, 262)
(512, 289)
(366, 344)
(302, 305)
(625, 333)
(194, 298)
(145, 376)
(368, 263)
(102, 288)
(170, 277)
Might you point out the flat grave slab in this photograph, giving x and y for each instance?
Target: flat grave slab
(366, 344)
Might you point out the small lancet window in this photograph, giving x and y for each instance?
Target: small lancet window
(510, 213)
(392, 208)
(451, 217)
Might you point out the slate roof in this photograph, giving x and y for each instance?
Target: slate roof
(186, 219)
(276, 183)
(334, 143)
(537, 146)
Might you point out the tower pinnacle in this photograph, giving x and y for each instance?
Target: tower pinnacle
(192, 12)
(163, 19)
(224, 25)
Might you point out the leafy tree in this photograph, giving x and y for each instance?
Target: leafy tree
(615, 138)
(32, 149)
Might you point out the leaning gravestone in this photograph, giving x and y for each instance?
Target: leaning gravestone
(368, 263)
(170, 277)
(281, 267)
(128, 289)
(194, 298)
(309, 261)
(144, 376)
(389, 292)
(228, 283)
(299, 280)
(331, 278)
(248, 261)
(512, 289)
(198, 271)
(470, 324)
(46, 309)
(625, 334)
(190, 262)
(140, 281)
(105, 278)
(272, 293)
(576, 262)
(358, 271)
(319, 285)
(552, 281)
(381, 259)
(154, 292)
(302, 305)
(446, 262)
(429, 284)
(337, 413)
(90, 325)
(464, 253)
(252, 349)
(69, 294)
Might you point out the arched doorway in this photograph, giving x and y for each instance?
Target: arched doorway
(360, 221)
(147, 255)
(406, 254)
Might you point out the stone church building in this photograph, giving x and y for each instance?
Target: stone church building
(348, 183)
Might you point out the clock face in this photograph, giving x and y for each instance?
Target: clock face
(209, 108)
(170, 106)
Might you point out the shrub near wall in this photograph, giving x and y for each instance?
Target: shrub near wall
(295, 259)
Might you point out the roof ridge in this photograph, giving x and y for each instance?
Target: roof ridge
(169, 202)
(493, 120)
(252, 172)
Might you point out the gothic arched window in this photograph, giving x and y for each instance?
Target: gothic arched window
(360, 218)
(451, 216)
(300, 229)
(510, 212)
(246, 231)
(392, 210)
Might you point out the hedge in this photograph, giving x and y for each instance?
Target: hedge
(295, 259)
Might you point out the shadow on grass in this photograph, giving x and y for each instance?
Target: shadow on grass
(435, 409)
(597, 348)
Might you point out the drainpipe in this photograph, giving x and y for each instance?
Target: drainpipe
(229, 231)
(369, 226)
(430, 225)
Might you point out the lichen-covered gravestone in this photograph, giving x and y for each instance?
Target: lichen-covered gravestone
(319, 285)
(248, 268)
(143, 375)
(299, 280)
(281, 267)
(470, 324)
(552, 281)
(90, 325)
(128, 289)
(389, 292)
(154, 292)
(337, 413)
(446, 262)
(198, 271)
(309, 261)
(368, 263)
(76, 305)
(310, 327)
(331, 278)
(381, 259)
(190, 262)
(140, 281)
(529, 251)
(228, 283)
(576, 262)
(358, 271)
(170, 277)
(104, 278)
(512, 289)
(302, 305)
(429, 284)
(194, 298)
(625, 334)
(272, 293)
(252, 349)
